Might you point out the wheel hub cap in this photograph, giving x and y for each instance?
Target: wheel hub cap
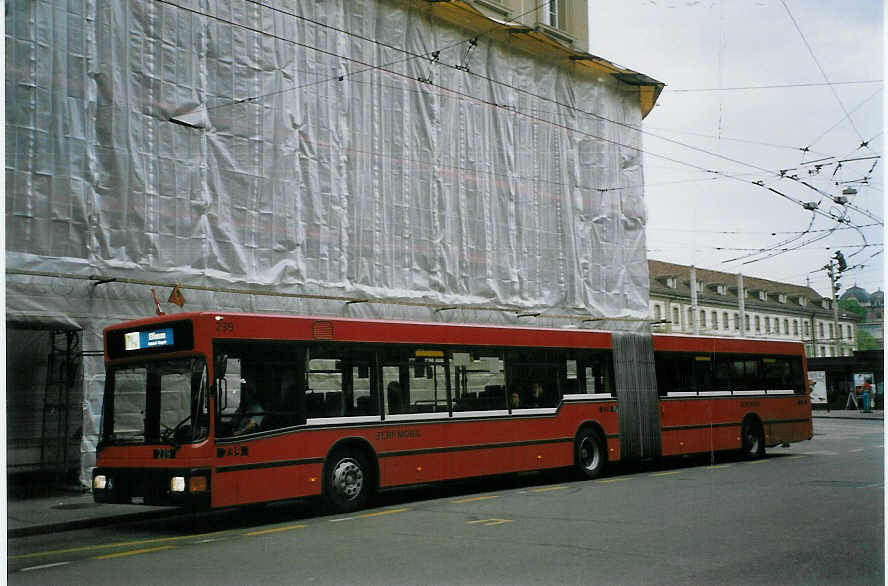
(348, 479)
(589, 456)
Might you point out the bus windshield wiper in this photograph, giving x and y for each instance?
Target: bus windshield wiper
(168, 435)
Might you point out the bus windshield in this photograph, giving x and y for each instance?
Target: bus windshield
(158, 401)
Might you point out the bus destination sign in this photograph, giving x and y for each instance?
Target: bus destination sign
(149, 339)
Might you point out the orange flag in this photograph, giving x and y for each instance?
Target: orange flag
(177, 297)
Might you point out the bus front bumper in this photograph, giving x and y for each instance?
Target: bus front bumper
(178, 487)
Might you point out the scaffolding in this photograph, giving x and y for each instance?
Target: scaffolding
(63, 366)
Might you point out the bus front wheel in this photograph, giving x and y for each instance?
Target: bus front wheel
(347, 486)
(590, 454)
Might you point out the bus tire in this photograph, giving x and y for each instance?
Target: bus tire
(347, 480)
(753, 439)
(589, 453)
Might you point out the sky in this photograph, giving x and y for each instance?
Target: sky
(703, 205)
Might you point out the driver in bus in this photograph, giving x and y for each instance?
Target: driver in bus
(251, 413)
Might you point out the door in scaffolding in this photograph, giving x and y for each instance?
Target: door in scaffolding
(43, 402)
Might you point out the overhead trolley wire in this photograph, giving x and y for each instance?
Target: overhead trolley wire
(468, 97)
(847, 114)
(768, 87)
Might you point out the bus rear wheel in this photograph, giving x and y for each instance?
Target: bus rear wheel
(347, 481)
(753, 440)
(590, 454)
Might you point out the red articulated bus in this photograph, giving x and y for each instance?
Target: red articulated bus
(218, 409)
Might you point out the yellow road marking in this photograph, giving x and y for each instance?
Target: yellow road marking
(274, 530)
(717, 466)
(121, 554)
(113, 545)
(379, 513)
(473, 499)
(757, 461)
(490, 522)
(547, 488)
(671, 472)
(794, 457)
(610, 480)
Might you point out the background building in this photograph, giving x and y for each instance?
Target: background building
(397, 159)
(873, 308)
(758, 308)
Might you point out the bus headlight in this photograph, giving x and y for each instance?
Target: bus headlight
(100, 482)
(177, 484)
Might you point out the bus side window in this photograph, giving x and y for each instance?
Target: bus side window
(593, 376)
(339, 382)
(779, 374)
(429, 378)
(536, 376)
(721, 375)
(479, 381)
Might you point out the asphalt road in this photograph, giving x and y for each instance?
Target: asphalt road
(813, 513)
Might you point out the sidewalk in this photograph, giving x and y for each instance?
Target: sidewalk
(848, 414)
(71, 510)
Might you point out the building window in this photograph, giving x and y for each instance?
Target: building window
(781, 297)
(657, 312)
(747, 323)
(803, 301)
(767, 325)
(671, 282)
(807, 330)
(702, 318)
(726, 321)
(676, 317)
(822, 335)
(550, 13)
(763, 295)
(850, 331)
(832, 333)
(795, 327)
(786, 326)
(758, 325)
(720, 289)
(690, 324)
(714, 320)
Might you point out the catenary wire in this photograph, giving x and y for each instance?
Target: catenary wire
(487, 102)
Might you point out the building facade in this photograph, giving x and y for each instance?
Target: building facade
(401, 159)
(728, 304)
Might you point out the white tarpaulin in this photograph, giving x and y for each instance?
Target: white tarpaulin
(318, 163)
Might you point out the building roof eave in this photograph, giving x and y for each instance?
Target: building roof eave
(547, 42)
